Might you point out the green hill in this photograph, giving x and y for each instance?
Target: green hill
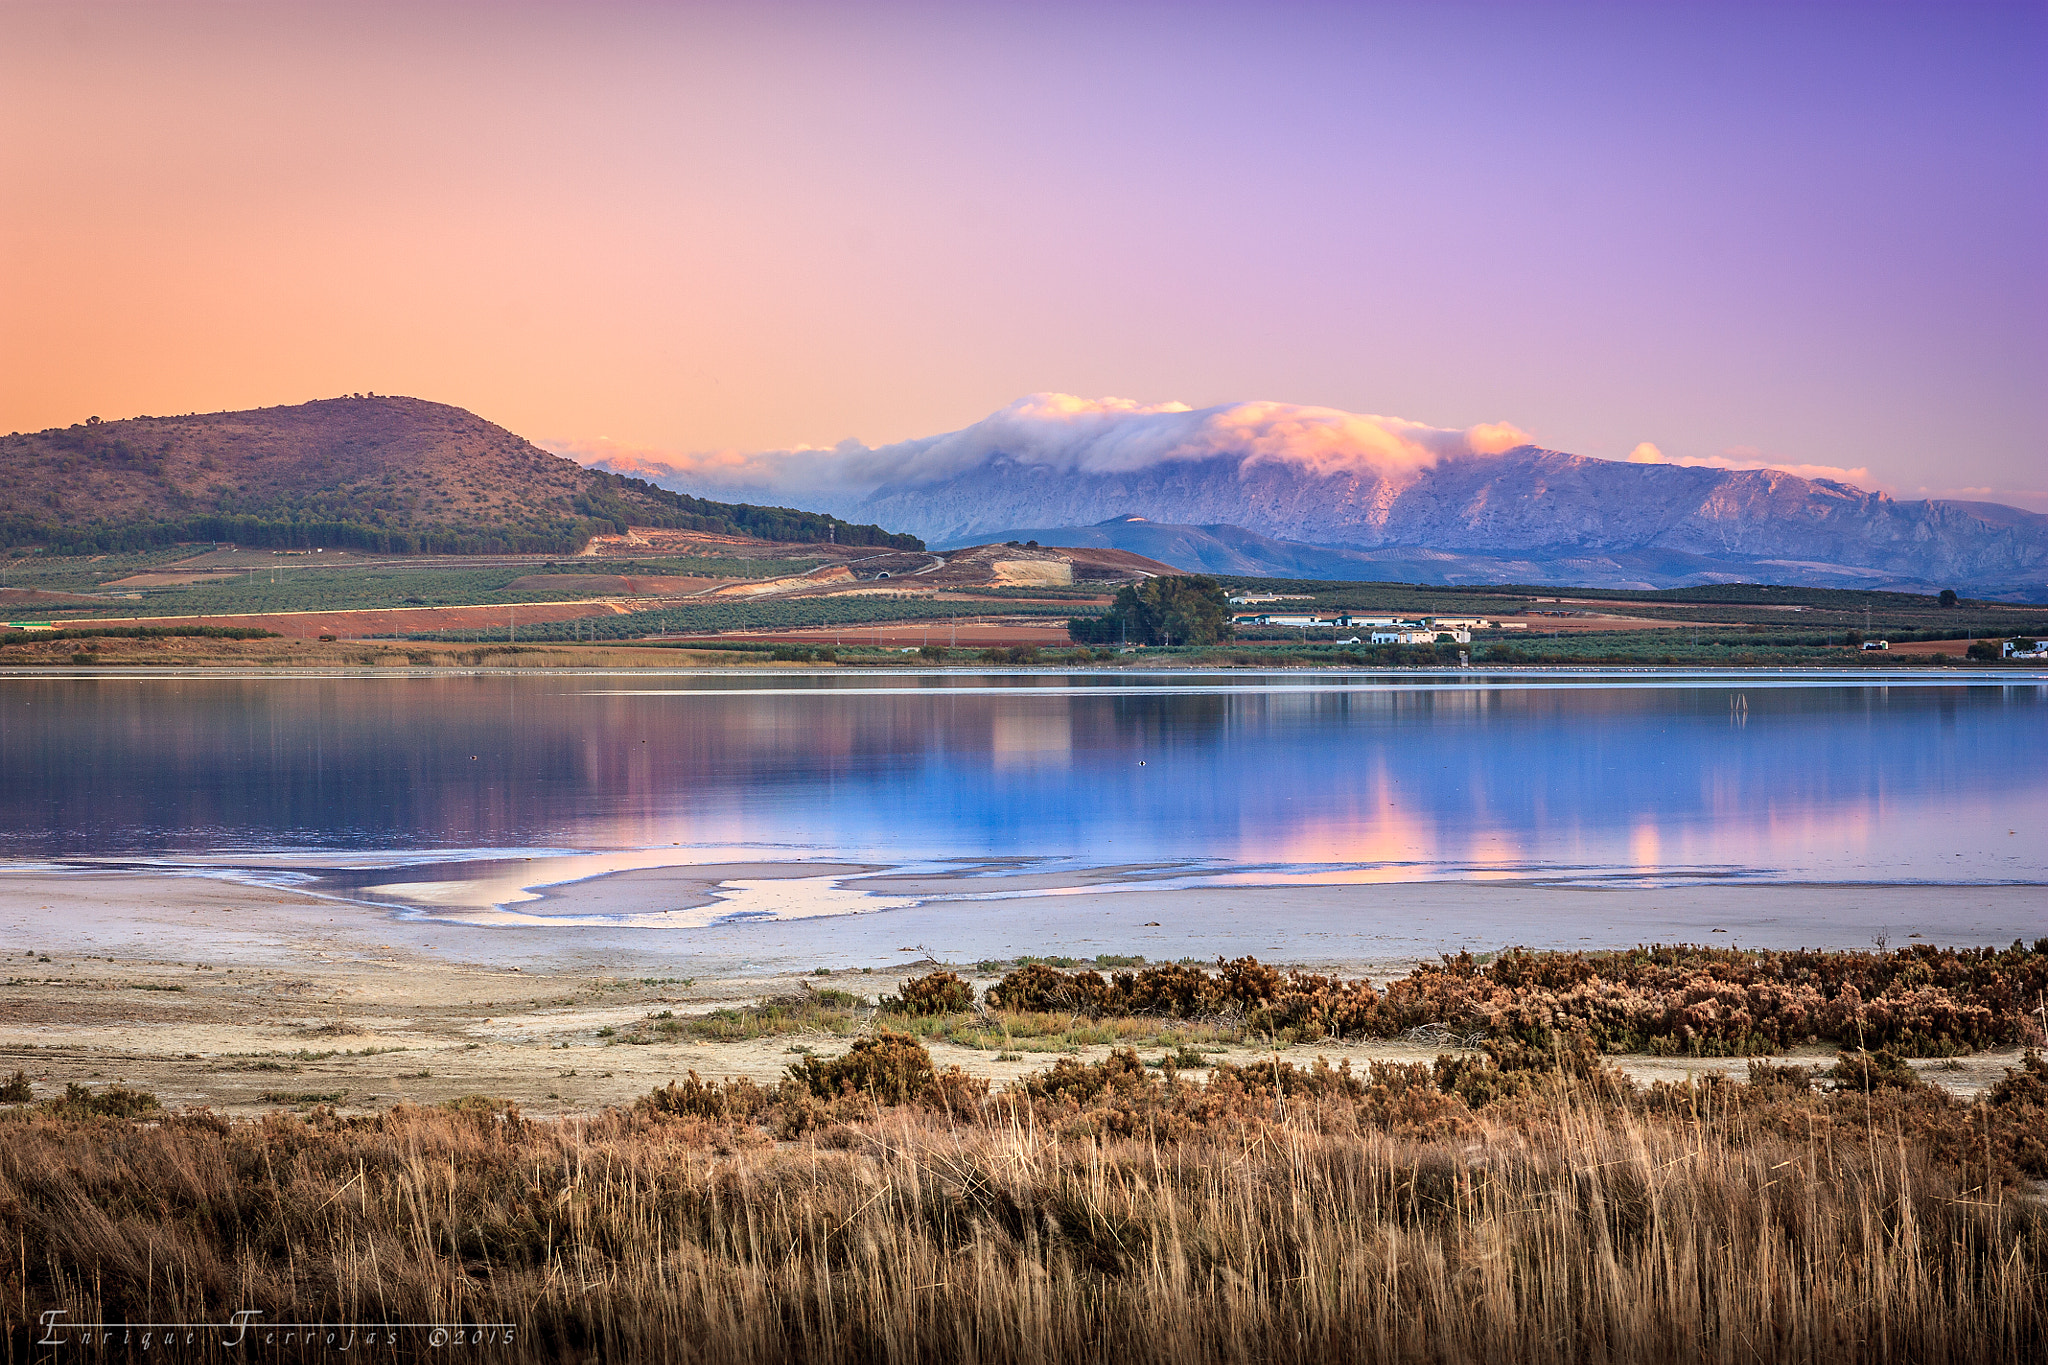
(394, 475)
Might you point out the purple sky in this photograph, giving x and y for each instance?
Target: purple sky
(1810, 234)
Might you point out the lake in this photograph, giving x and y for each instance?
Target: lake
(1198, 779)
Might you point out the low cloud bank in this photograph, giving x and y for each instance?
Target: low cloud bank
(1743, 459)
(1114, 435)
(1061, 432)
(718, 472)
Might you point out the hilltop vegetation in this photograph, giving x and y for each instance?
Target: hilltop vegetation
(391, 475)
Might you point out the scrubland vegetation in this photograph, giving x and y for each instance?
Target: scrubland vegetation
(1921, 1001)
(1514, 1199)
(1503, 1206)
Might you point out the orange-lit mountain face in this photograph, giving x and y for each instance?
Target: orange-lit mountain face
(380, 473)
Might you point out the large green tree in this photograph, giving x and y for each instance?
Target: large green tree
(1185, 609)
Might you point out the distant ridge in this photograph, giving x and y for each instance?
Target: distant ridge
(1203, 549)
(386, 474)
(1224, 549)
(1419, 502)
(1524, 515)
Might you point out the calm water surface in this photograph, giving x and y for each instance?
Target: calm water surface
(1287, 777)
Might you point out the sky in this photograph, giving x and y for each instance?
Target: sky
(1810, 235)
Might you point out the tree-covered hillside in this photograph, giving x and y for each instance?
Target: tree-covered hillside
(394, 475)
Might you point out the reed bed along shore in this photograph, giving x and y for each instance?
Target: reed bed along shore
(1919, 1001)
(1513, 1206)
(1676, 1000)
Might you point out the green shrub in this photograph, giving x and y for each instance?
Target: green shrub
(892, 1068)
(114, 1102)
(832, 998)
(696, 1098)
(483, 1107)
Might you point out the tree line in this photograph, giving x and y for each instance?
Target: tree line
(1185, 609)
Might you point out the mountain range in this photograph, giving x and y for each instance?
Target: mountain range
(1526, 515)
(1213, 490)
(1232, 550)
(1292, 490)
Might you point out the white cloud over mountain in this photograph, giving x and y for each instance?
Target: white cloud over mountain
(1647, 453)
(1061, 432)
(1330, 478)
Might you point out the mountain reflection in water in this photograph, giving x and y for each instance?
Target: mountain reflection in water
(1404, 776)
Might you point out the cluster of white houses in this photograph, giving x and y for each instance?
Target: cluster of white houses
(1386, 630)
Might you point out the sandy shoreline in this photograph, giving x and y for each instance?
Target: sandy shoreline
(245, 997)
(655, 918)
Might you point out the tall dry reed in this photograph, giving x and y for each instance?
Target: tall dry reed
(1570, 1229)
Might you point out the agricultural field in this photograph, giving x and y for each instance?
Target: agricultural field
(258, 583)
(692, 618)
(620, 597)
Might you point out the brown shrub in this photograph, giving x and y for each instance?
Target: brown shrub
(1917, 1001)
(1775, 1076)
(1869, 1071)
(1079, 1082)
(1176, 991)
(1038, 987)
(2021, 1098)
(939, 992)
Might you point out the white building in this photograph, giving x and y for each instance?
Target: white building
(1422, 635)
(1293, 621)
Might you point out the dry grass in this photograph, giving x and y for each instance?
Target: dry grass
(1097, 1214)
(840, 1015)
